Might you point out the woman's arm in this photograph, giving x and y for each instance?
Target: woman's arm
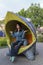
(12, 34)
(23, 36)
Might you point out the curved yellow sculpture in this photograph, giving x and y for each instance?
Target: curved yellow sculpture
(11, 20)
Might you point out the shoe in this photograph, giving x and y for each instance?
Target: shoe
(12, 59)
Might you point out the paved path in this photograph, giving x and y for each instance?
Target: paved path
(4, 60)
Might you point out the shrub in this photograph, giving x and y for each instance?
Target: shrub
(40, 39)
(3, 41)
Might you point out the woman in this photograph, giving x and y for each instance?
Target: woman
(20, 40)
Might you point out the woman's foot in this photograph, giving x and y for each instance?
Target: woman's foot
(12, 59)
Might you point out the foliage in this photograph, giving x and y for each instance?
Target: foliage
(40, 39)
(3, 41)
(22, 12)
(34, 12)
(1, 21)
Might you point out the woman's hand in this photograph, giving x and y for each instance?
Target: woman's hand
(25, 31)
(11, 32)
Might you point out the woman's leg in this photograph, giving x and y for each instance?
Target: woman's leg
(13, 51)
(13, 48)
(18, 47)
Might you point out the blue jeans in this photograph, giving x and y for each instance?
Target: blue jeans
(15, 46)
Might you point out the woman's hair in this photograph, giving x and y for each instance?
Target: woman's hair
(20, 26)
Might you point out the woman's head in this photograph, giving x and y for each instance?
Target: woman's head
(18, 25)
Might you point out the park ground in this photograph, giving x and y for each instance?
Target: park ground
(22, 60)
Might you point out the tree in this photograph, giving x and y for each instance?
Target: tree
(34, 12)
(22, 12)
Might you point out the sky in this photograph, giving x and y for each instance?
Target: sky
(16, 5)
